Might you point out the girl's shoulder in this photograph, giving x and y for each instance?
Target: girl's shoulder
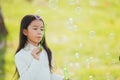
(20, 54)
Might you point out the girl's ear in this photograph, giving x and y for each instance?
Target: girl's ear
(25, 32)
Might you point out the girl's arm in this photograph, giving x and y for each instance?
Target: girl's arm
(25, 71)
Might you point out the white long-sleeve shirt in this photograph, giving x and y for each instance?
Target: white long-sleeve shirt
(32, 69)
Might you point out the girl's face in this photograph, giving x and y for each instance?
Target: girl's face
(34, 32)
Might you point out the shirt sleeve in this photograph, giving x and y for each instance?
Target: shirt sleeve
(26, 72)
(56, 77)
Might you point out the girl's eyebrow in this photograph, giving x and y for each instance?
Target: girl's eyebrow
(37, 26)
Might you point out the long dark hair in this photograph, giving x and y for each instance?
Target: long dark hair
(23, 39)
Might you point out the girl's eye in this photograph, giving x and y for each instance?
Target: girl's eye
(42, 29)
(34, 28)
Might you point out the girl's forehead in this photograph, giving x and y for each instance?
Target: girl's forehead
(36, 22)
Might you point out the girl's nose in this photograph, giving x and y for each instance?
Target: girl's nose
(40, 32)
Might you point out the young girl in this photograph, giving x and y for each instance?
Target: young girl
(31, 63)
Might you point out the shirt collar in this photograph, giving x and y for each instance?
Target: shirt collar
(29, 46)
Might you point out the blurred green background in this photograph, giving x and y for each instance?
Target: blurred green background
(84, 35)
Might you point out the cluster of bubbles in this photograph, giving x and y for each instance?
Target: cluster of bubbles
(91, 62)
(53, 4)
(71, 25)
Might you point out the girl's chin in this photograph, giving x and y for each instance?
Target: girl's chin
(38, 42)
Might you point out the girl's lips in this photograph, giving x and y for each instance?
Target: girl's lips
(39, 37)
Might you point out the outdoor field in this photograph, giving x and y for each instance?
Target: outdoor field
(84, 35)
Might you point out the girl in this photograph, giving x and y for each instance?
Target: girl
(31, 63)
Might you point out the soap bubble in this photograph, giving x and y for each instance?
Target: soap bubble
(77, 55)
(71, 64)
(71, 20)
(111, 35)
(91, 77)
(81, 45)
(108, 55)
(90, 62)
(92, 34)
(109, 76)
(54, 39)
(93, 3)
(64, 39)
(78, 10)
(114, 61)
(53, 4)
(37, 12)
(106, 46)
(72, 2)
(70, 24)
(77, 64)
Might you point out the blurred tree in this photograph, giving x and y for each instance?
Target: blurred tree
(3, 30)
(3, 34)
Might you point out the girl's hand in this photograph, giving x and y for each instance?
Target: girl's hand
(35, 53)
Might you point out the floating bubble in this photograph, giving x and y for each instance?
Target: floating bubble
(75, 28)
(77, 64)
(72, 2)
(91, 58)
(108, 58)
(70, 25)
(81, 45)
(78, 10)
(93, 3)
(38, 12)
(111, 35)
(92, 34)
(71, 20)
(90, 62)
(54, 39)
(77, 55)
(71, 64)
(108, 54)
(53, 4)
(64, 39)
(87, 63)
(108, 76)
(114, 61)
(91, 77)
(106, 46)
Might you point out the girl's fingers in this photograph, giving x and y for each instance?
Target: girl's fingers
(36, 50)
(36, 53)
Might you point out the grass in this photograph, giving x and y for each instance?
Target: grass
(85, 57)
